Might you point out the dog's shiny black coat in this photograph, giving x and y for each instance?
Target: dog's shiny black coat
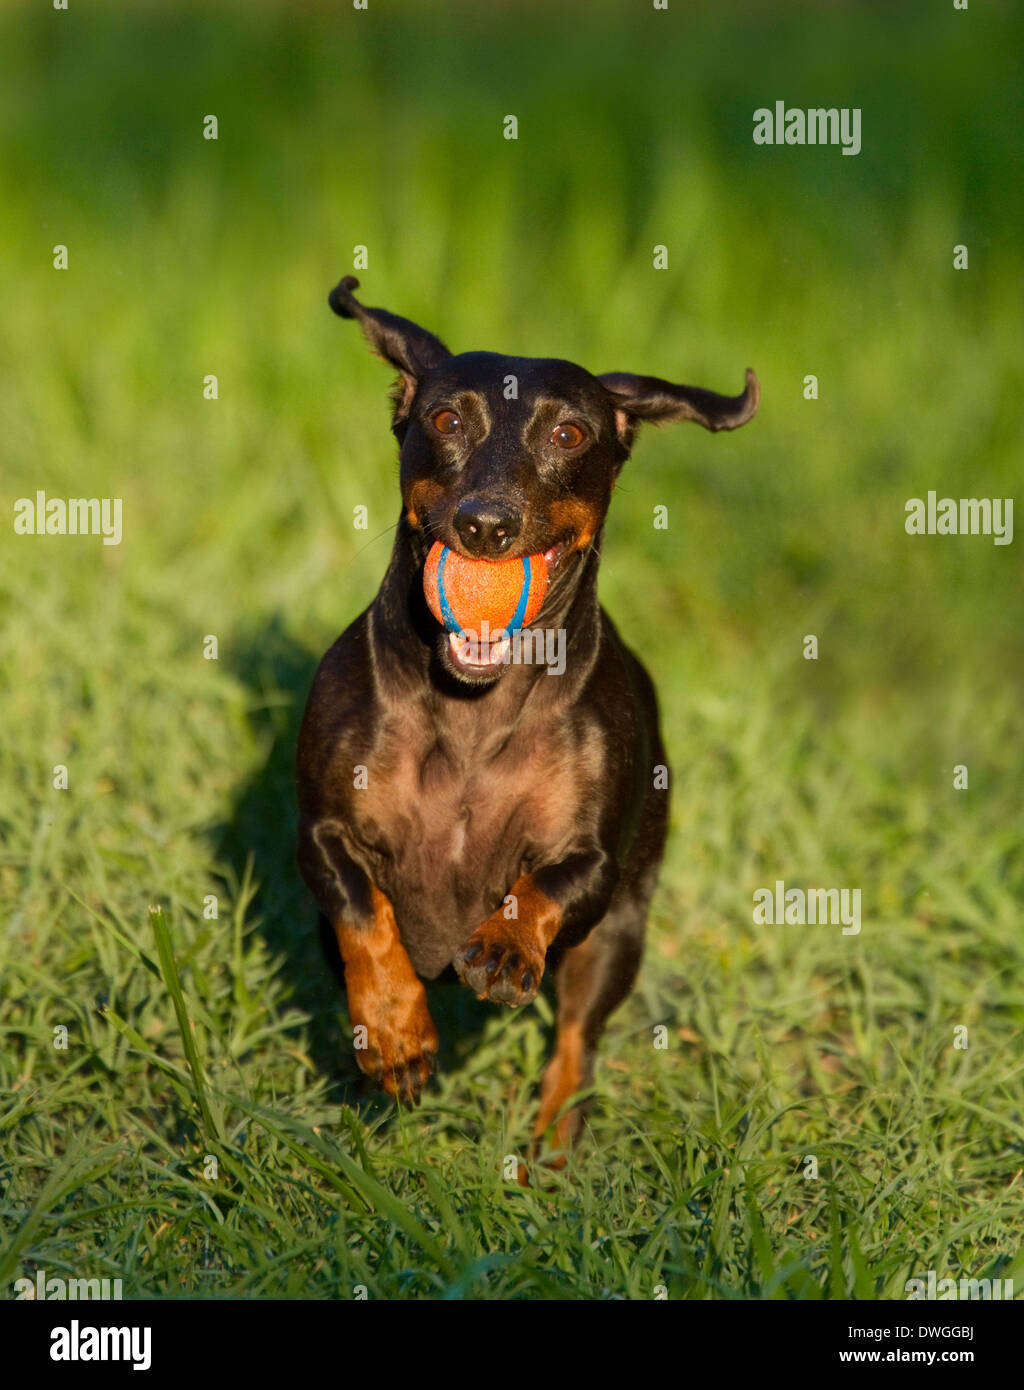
(431, 794)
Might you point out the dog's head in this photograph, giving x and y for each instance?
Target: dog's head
(505, 456)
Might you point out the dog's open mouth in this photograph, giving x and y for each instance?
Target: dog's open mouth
(470, 652)
(485, 653)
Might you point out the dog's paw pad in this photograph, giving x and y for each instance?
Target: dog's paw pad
(502, 970)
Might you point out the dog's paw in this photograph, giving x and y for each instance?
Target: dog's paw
(400, 1058)
(501, 964)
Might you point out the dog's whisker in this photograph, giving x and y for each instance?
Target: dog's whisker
(373, 540)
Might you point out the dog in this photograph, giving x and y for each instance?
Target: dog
(457, 813)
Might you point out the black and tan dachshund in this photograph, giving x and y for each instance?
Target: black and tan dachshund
(491, 817)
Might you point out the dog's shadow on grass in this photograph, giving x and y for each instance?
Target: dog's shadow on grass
(278, 671)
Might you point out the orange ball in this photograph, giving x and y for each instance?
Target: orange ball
(462, 593)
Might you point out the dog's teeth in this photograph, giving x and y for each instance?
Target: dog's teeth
(469, 652)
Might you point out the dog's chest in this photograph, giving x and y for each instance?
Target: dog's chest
(451, 816)
(459, 795)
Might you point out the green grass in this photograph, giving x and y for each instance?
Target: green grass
(189, 1036)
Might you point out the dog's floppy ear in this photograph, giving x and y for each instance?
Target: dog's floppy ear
(639, 398)
(396, 340)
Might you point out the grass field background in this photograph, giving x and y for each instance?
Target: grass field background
(190, 1037)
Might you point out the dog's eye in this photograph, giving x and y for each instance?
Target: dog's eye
(446, 422)
(567, 436)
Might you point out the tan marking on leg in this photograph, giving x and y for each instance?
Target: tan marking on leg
(386, 997)
(563, 1077)
(504, 958)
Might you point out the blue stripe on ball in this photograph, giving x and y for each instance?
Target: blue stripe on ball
(516, 621)
(448, 616)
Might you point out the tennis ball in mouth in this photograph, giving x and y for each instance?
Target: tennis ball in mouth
(462, 594)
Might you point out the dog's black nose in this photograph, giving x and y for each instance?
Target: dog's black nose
(487, 528)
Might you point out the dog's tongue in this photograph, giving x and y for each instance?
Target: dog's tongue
(470, 651)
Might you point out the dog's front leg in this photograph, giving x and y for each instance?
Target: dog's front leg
(395, 1038)
(504, 958)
